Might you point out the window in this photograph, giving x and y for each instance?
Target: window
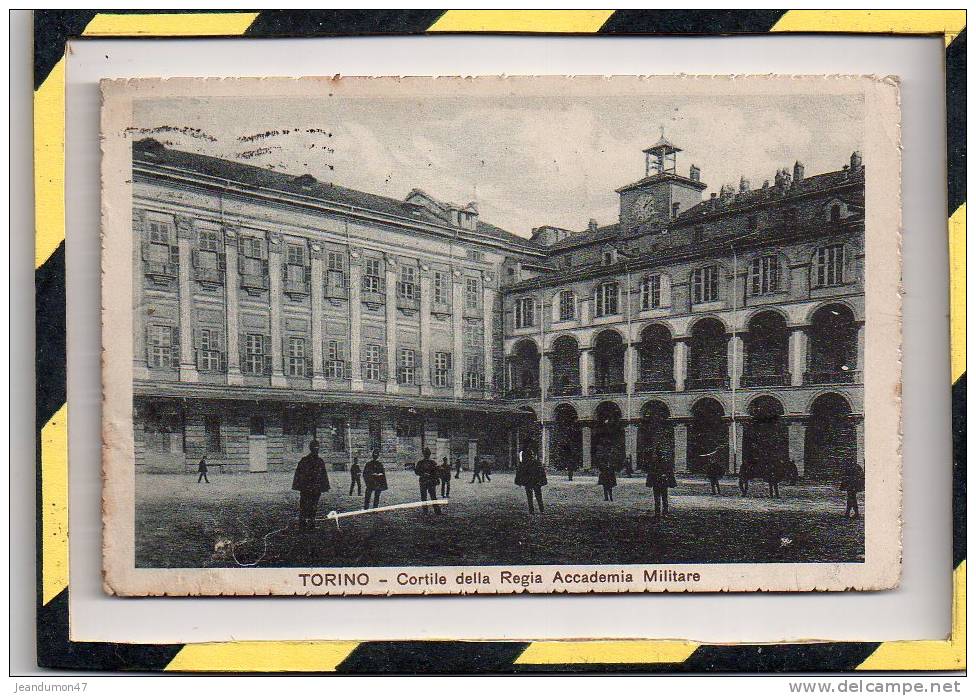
(211, 351)
(650, 293)
(296, 356)
(408, 283)
(256, 425)
(407, 370)
(295, 254)
(475, 255)
(335, 359)
(336, 261)
(161, 249)
(254, 353)
(835, 212)
(829, 265)
(607, 258)
(409, 427)
(440, 294)
(208, 249)
(567, 305)
(373, 362)
(252, 256)
(606, 299)
(698, 234)
(162, 342)
(705, 284)
(472, 294)
(765, 275)
(372, 278)
(160, 232)
(442, 374)
(524, 310)
(473, 336)
(338, 434)
(474, 372)
(211, 432)
(375, 434)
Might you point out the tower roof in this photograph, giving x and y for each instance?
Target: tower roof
(662, 146)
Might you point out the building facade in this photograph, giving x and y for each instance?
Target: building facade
(731, 326)
(271, 309)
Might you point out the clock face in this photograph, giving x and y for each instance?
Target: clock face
(645, 207)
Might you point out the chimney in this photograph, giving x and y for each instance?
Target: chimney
(695, 173)
(744, 184)
(797, 172)
(592, 225)
(856, 161)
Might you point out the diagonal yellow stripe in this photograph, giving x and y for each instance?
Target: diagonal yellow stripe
(262, 656)
(606, 652)
(176, 24)
(948, 22)
(940, 655)
(547, 21)
(49, 165)
(957, 292)
(54, 505)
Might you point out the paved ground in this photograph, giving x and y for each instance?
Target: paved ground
(182, 524)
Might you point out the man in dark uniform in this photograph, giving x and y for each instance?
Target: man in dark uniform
(355, 477)
(429, 475)
(476, 468)
(202, 468)
(311, 479)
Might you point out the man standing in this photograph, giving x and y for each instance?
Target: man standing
(355, 479)
(429, 475)
(311, 479)
(375, 476)
(202, 468)
(476, 467)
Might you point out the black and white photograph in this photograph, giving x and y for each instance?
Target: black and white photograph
(501, 335)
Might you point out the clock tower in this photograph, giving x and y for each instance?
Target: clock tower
(662, 193)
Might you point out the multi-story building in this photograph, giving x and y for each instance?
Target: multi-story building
(732, 324)
(270, 309)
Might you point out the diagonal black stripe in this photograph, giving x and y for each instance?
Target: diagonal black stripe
(691, 21)
(432, 657)
(55, 650)
(49, 326)
(342, 22)
(959, 471)
(815, 657)
(52, 28)
(956, 120)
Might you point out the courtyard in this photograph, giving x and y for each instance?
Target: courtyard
(249, 520)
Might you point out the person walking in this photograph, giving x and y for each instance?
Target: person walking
(202, 468)
(853, 483)
(486, 470)
(429, 476)
(311, 480)
(531, 474)
(660, 477)
(777, 474)
(355, 479)
(445, 474)
(714, 471)
(477, 471)
(607, 478)
(570, 468)
(457, 468)
(375, 477)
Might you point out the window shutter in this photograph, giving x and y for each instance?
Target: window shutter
(665, 290)
(383, 363)
(242, 351)
(223, 362)
(417, 359)
(174, 254)
(308, 366)
(222, 261)
(145, 251)
(266, 345)
(264, 268)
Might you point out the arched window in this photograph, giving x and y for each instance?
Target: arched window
(764, 275)
(607, 299)
(835, 212)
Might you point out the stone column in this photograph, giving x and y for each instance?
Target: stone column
(586, 461)
(630, 441)
(425, 357)
(735, 360)
(797, 440)
(488, 310)
(317, 289)
(585, 358)
(188, 366)
(546, 444)
(545, 373)
(457, 317)
(630, 368)
(798, 355)
(140, 366)
(274, 276)
(681, 446)
(392, 387)
(355, 318)
(860, 350)
(735, 445)
(232, 288)
(680, 364)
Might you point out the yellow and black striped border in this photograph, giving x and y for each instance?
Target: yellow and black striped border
(55, 649)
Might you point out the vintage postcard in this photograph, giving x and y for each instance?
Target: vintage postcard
(501, 334)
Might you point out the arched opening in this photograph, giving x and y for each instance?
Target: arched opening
(656, 353)
(565, 367)
(608, 361)
(523, 371)
(833, 346)
(831, 439)
(567, 438)
(765, 440)
(708, 435)
(708, 356)
(655, 434)
(767, 343)
(608, 434)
